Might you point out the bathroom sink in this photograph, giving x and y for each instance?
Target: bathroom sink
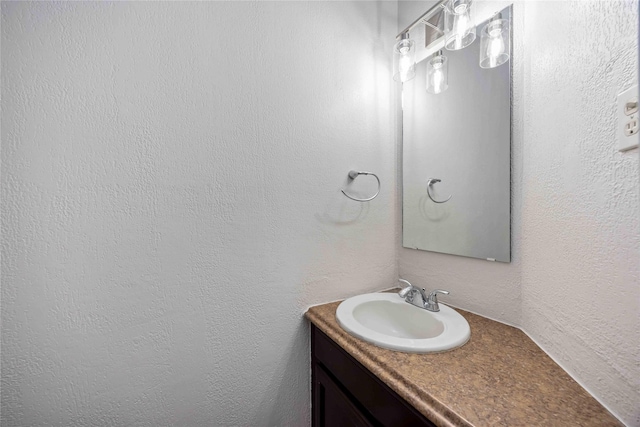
(386, 320)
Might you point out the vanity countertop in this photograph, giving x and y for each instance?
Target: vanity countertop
(499, 378)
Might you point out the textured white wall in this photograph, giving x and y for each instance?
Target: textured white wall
(580, 209)
(575, 208)
(171, 204)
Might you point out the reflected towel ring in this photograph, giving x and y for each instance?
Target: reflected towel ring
(429, 184)
(353, 175)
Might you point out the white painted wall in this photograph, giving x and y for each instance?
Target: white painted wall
(580, 208)
(171, 203)
(575, 208)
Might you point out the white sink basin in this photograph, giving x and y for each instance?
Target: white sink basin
(386, 320)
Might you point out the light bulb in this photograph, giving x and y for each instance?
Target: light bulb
(438, 78)
(460, 25)
(437, 74)
(496, 48)
(404, 67)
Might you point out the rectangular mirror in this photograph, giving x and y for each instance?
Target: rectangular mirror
(460, 139)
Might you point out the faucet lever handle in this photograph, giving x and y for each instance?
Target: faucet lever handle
(403, 293)
(431, 303)
(433, 296)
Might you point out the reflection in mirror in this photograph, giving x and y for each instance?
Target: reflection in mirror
(457, 143)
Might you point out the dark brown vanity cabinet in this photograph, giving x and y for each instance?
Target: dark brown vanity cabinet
(345, 393)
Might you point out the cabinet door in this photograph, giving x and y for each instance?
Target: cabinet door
(333, 408)
(361, 389)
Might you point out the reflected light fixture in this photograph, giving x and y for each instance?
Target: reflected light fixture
(404, 59)
(437, 73)
(459, 30)
(495, 42)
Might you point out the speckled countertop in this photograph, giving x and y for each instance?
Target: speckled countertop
(499, 378)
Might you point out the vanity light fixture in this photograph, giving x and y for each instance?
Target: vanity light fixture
(495, 42)
(437, 73)
(450, 20)
(404, 59)
(459, 30)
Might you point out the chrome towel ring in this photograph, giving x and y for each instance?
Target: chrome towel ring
(429, 184)
(353, 175)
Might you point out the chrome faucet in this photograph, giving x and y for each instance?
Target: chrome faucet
(418, 296)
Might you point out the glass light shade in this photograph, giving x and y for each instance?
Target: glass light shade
(459, 30)
(404, 60)
(495, 43)
(437, 74)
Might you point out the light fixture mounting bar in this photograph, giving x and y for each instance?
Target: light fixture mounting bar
(433, 27)
(424, 18)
